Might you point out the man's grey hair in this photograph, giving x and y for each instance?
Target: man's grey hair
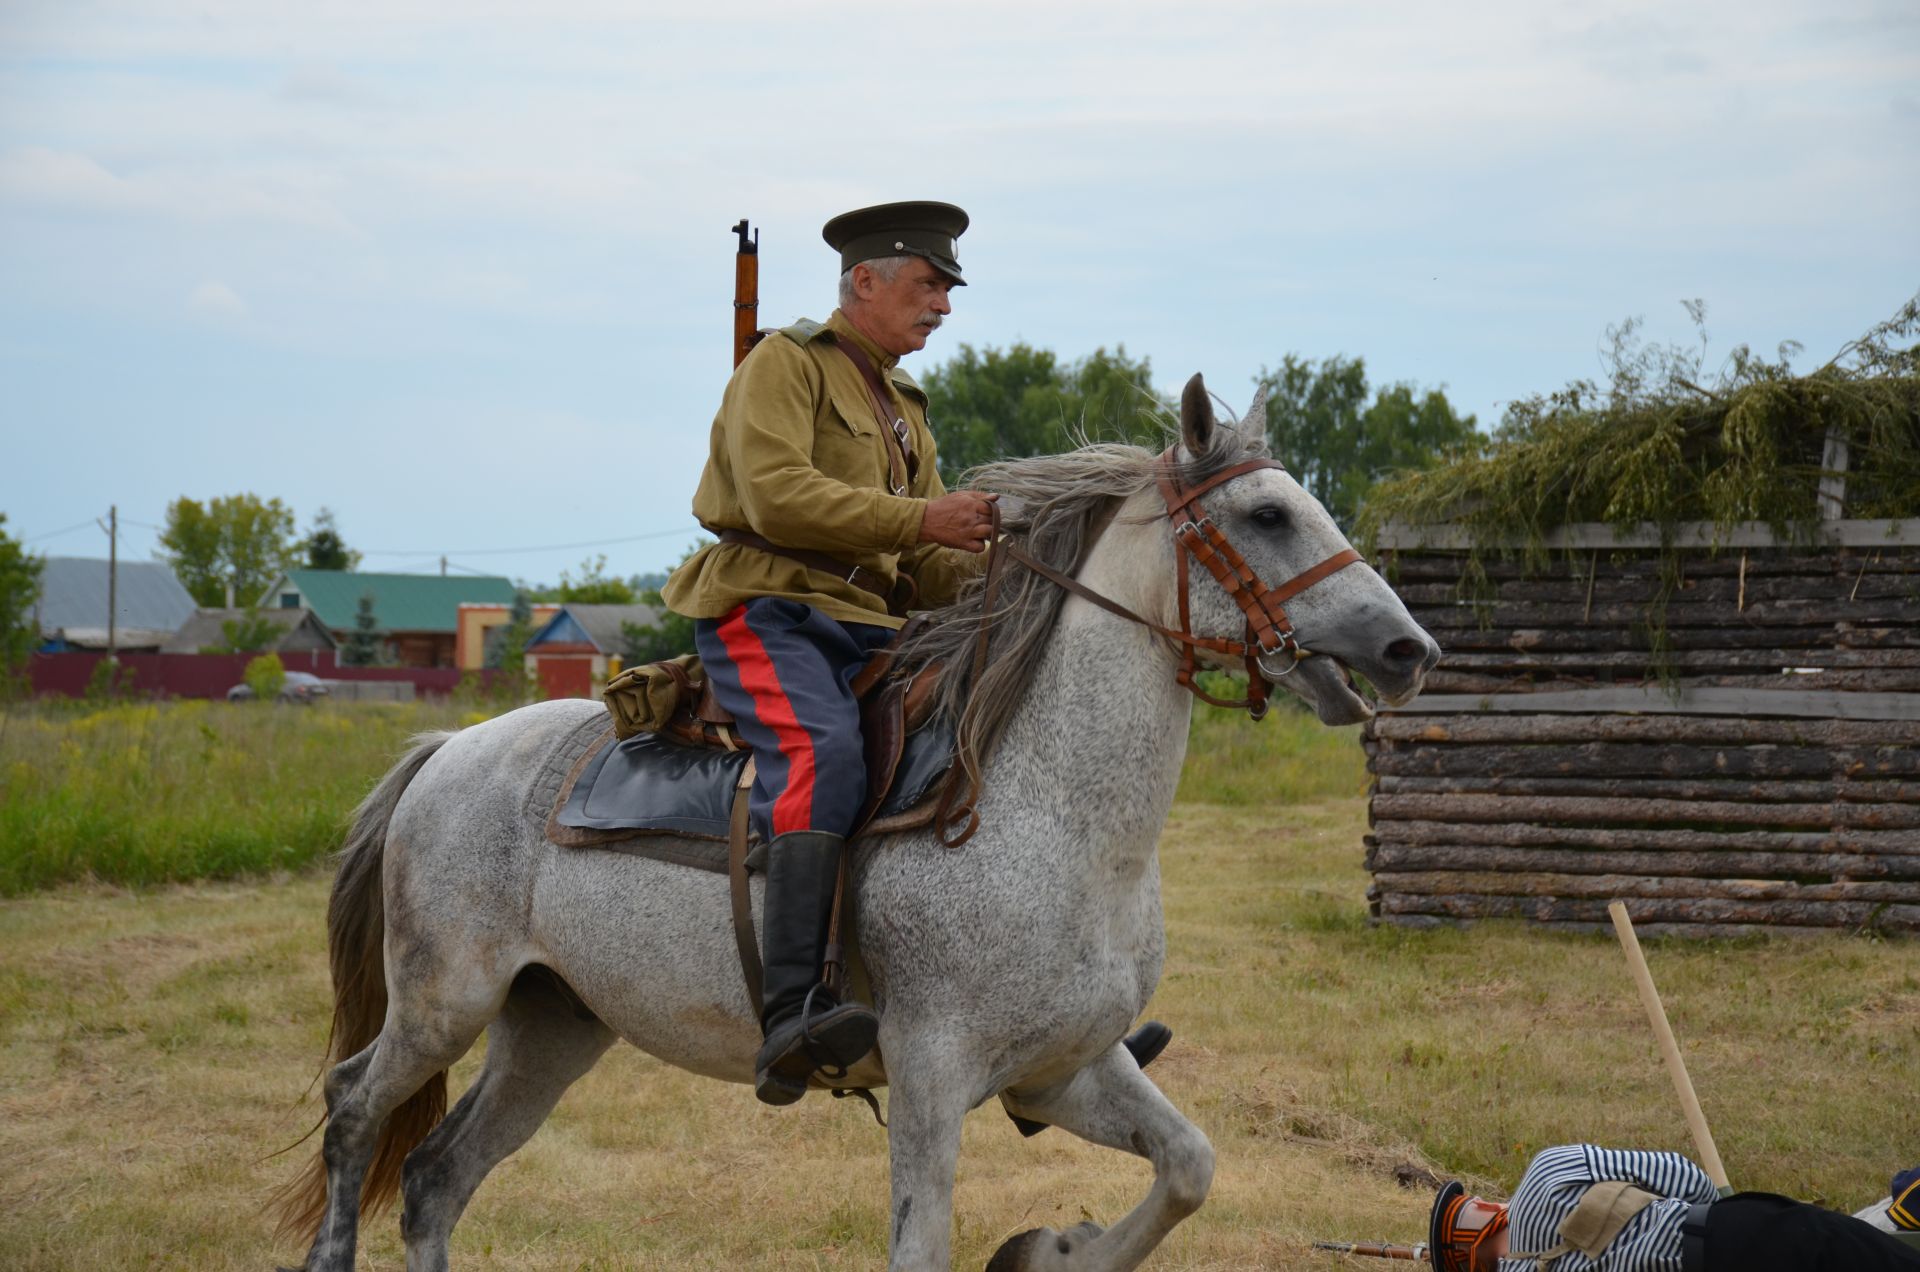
(884, 266)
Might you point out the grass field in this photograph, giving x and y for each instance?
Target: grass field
(155, 1045)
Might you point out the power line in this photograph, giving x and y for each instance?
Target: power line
(548, 547)
(55, 534)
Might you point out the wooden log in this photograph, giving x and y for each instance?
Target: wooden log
(1602, 536)
(1640, 728)
(1849, 680)
(1557, 808)
(1679, 612)
(1635, 637)
(1414, 569)
(1813, 703)
(1684, 931)
(1876, 916)
(1389, 858)
(1632, 662)
(1768, 790)
(1629, 759)
(1669, 839)
(1611, 886)
(1609, 587)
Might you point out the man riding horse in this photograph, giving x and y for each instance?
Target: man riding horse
(822, 490)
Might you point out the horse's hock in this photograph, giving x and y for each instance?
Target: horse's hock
(1762, 771)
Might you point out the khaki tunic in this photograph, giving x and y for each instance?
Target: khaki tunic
(797, 458)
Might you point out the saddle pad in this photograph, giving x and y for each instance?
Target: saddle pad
(649, 784)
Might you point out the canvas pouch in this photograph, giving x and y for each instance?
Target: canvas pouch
(1599, 1216)
(643, 699)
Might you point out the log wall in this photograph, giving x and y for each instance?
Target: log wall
(1771, 780)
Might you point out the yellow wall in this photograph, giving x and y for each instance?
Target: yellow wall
(469, 641)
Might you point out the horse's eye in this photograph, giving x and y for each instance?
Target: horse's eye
(1270, 518)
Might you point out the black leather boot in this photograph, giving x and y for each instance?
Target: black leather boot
(806, 1030)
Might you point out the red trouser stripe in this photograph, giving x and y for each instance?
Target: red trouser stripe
(793, 809)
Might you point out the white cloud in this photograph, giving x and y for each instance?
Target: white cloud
(213, 299)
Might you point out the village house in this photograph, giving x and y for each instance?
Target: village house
(416, 615)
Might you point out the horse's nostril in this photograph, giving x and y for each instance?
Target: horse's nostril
(1406, 650)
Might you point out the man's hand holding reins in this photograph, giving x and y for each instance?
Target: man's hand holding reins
(962, 519)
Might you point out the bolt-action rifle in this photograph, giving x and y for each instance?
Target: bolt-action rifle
(746, 292)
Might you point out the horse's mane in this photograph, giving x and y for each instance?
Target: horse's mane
(1054, 506)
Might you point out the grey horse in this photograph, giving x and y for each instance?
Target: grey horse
(1009, 967)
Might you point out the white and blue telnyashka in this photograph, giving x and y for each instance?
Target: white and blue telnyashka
(1557, 1178)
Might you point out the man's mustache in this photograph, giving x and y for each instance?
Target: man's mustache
(929, 319)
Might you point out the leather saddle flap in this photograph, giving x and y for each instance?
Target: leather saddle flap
(652, 784)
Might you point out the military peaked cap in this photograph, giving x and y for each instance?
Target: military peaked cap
(899, 229)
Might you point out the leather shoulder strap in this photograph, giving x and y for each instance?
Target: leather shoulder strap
(893, 429)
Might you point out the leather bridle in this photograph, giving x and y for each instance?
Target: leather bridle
(1269, 630)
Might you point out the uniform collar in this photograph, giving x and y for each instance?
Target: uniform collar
(843, 329)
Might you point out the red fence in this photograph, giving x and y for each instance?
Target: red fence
(211, 675)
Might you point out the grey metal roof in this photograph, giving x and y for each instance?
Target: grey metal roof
(300, 629)
(73, 594)
(602, 622)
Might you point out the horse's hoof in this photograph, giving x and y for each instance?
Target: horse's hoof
(1040, 1249)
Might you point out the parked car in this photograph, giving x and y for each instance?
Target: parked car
(301, 686)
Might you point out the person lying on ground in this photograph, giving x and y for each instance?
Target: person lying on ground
(1582, 1208)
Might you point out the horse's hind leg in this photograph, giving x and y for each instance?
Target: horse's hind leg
(361, 1092)
(537, 1047)
(1111, 1102)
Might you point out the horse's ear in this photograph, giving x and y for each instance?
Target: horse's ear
(1196, 416)
(1254, 422)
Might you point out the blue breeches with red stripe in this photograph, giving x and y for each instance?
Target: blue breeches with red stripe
(783, 670)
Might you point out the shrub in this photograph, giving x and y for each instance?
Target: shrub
(266, 676)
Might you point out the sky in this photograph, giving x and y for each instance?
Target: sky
(462, 272)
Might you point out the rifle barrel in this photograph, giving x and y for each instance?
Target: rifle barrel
(1375, 1249)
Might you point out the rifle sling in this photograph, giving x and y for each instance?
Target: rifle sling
(902, 464)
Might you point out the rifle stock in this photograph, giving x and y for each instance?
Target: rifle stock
(746, 292)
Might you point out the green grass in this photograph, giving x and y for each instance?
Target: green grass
(1288, 758)
(174, 791)
(157, 1045)
(164, 792)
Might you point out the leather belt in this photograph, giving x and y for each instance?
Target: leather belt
(1693, 1237)
(864, 579)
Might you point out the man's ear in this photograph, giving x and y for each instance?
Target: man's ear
(863, 281)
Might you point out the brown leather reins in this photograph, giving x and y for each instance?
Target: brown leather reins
(1269, 630)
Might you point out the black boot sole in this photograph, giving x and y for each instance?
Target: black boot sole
(1144, 1043)
(841, 1037)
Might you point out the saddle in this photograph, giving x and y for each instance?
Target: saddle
(685, 779)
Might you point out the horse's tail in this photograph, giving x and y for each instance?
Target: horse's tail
(356, 931)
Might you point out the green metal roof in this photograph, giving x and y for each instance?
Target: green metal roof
(401, 602)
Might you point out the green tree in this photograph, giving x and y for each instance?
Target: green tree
(324, 547)
(594, 586)
(1338, 438)
(363, 642)
(266, 676)
(1002, 404)
(240, 541)
(668, 636)
(19, 589)
(510, 654)
(251, 632)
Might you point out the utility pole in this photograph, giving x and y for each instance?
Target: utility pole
(443, 567)
(113, 583)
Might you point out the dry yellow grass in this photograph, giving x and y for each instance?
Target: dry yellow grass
(154, 1049)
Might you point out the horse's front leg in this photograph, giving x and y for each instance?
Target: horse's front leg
(1111, 1102)
(931, 1089)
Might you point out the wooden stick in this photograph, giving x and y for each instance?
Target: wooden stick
(1669, 1049)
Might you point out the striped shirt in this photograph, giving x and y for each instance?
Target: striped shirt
(1557, 1178)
